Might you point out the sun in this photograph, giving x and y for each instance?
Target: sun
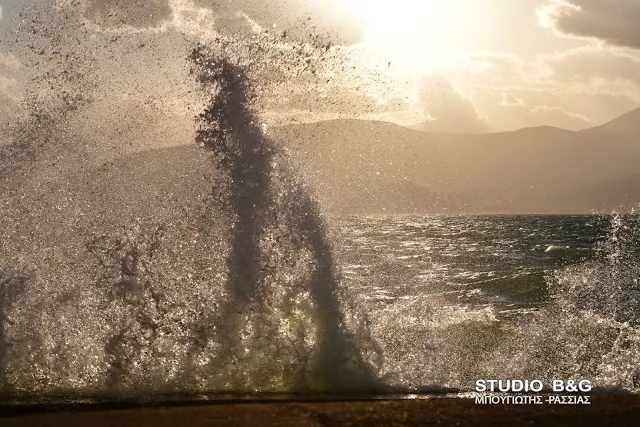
(416, 35)
(389, 21)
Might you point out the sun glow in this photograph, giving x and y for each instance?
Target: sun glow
(415, 35)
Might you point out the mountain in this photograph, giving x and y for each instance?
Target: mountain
(361, 167)
(376, 167)
(627, 124)
(452, 126)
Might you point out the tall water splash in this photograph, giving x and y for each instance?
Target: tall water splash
(240, 295)
(275, 221)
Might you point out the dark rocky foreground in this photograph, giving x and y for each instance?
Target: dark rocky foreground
(610, 410)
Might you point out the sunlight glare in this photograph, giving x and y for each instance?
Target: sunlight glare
(415, 35)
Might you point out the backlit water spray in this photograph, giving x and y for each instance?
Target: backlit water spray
(275, 225)
(240, 294)
(115, 288)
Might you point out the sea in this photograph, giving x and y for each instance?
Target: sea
(452, 299)
(496, 262)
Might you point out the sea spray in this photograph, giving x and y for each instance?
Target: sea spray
(274, 217)
(236, 293)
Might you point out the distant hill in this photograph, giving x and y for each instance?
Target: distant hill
(451, 126)
(377, 167)
(368, 167)
(627, 124)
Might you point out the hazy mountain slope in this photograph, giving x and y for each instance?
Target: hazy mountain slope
(379, 167)
(452, 126)
(627, 124)
(355, 167)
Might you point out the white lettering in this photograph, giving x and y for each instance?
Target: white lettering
(585, 386)
(558, 385)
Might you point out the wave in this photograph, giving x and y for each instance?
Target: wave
(580, 321)
(241, 296)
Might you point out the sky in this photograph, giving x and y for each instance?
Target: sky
(459, 65)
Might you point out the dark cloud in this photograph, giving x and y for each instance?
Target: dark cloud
(115, 13)
(614, 21)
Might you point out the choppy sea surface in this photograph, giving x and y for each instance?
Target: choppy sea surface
(454, 299)
(499, 263)
(412, 304)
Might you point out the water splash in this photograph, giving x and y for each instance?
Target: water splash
(243, 295)
(588, 327)
(273, 217)
(240, 295)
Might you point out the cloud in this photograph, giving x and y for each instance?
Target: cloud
(519, 108)
(613, 21)
(511, 116)
(446, 106)
(510, 100)
(595, 61)
(597, 70)
(296, 18)
(498, 70)
(571, 89)
(544, 115)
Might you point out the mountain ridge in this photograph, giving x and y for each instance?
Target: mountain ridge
(629, 121)
(531, 170)
(375, 167)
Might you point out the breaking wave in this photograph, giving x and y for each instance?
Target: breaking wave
(240, 292)
(241, 296)
(591, 327)
(585, 327)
